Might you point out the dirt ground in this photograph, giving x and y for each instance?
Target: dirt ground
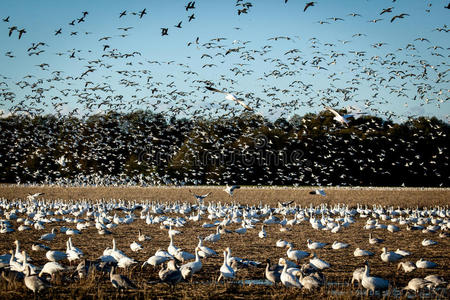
(248, 246)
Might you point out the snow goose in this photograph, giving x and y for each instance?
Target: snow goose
(416, 284)
(142, 237)
(374, 240)
(262, 234)
(389, 256)
(428, 242)
(39, 247)
(193, 267)
(357, 275)
(18, 254)
(435, 280)
(203, 250)
(288, 279)
(51, 268)
(296, 255)
(172, 249)
(425, 264)
(155, 260)
(214, 237)
(315, 245)
(34, 282)
(339, 245)
(318, 263)
(230, 189)
(402, 252)
(360, 252)
(309, 282)
(282, 243)
(372, 283)
(242, 229)
(226, 272)
(135, 247)
(170, 275)
(183, 256)
(407, 266)
(53, 255)
(119, 281)
(273, 273)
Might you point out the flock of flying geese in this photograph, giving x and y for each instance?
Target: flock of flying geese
(385, 74)
(177, 264)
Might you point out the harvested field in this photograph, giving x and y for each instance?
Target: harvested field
(249, 282)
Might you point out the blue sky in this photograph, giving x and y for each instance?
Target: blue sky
(314, 42)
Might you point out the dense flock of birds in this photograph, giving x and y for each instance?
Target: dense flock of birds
(144, 149)
(363, 74)
(285, 72)
(176, 264)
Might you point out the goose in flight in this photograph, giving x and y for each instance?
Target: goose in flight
(318, 192)
(232, 97)
(230, 189)
(32, 197)
(200, 198)
(337, 117)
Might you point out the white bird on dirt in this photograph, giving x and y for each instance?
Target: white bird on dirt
(318, 263)
(315, 245)
(155, 260)
(296, 255)
(51, 268)
(428, 242)
(435, 280)
(231, 97)
(193, 267)
(135, 247)
(407, 266)
(358, 275)
(143, 237)
(49, 236)
(282, 243)
(262, 234)
(389, 256)
(18, 254)
(183, 256)
(425, 264)
(203, 250)
(39, 247)
(339, 245)
(416, 284)
(403, 252)
(374, 240)
(392, 228)
(53, 255)
(214, 237)
(372, 283)
(360, 252)
(226, 272)
(75, 249)
(288, 279)
(242, 229)
(14, 265)
(172, 249)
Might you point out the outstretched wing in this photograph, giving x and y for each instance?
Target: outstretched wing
(333, 111)
(244, 105)
(215, 90)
